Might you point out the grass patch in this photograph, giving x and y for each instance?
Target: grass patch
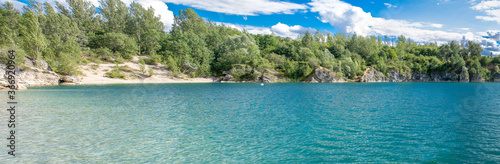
(94, 66)
(124, 68)
(116, 74)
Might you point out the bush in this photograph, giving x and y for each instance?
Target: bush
(116, 42)
(115, 73)
(19, 53)
(151, 72)
(104, 54)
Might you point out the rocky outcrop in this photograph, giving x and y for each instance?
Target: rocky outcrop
(30, 75)
(397, 76)
(496, 77)
(28, 62)
(69, 80)
(476, 77)
(323, 75)
(226, 76)
(267, 76)
(464, 76)
(444, 77)
(372, 75)
(420, 77)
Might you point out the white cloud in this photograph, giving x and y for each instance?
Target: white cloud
(279, 29)
(290, 31)
(389, 5)
(491, 8)
(352, 19)
(250, 29)
(161, 9)
(243, 7)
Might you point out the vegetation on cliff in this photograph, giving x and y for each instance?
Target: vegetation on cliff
(116, 32)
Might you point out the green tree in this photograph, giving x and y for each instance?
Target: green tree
(116, 14)
(308, 40)
(84, 14)
(189, 21)
(146, 28)
(237, 50)
(62, 34)
(117, 43)
(9, 24)
(34, 41)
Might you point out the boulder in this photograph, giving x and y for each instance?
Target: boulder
(268, 78)
(323, 75)
(28, 62)
(372, 75)
(227, 76)
(69, 80)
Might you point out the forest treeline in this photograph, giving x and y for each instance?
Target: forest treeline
(115, 32)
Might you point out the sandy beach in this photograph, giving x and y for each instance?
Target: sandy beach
(93, 73)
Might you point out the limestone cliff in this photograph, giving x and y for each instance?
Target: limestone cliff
(372, 75)
(30, 75)
(496, 77)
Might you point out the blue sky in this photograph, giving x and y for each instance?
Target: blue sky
(422, 21)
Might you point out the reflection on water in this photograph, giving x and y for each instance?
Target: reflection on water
(250, 123)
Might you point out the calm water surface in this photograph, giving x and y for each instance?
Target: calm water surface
(250, 123)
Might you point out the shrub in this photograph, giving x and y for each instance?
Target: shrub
(19, 53)
(116, 42)
(115, 73)
(104, 54)
(151, 72)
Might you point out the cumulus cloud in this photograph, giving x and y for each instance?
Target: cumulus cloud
(491, 8)
(160, 8)
(290, 31)
(279, 29)
(352, 19)
(243, 7)
(491, 43)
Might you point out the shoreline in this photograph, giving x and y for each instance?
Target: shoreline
(204, 81)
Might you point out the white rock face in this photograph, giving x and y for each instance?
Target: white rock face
(372, 75)
(32, 76)
(323, 75)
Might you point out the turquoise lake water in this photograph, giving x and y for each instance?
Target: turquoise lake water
(250, 123)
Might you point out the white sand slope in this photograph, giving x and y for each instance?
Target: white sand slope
(93, 73)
